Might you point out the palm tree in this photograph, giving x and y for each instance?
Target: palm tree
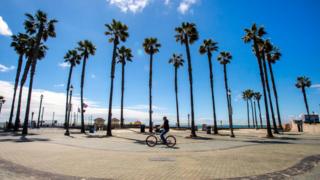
(73, 58)
(245, 96)
(117, 32)
(151, 46)
(2, 101)
(176, 61)
(273, 55)
(255, 34)
(250, 96)
(42, 28)
(187, 34)
(257, 97)
(225, 58)
(262, 49)
(255, 114)
(303, 83)
(123, 54)
(208, 46)
(85, 48)
(19, 43)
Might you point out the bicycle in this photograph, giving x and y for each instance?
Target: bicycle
(153, 139)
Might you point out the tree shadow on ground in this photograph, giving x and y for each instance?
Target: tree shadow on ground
(137, 141)
(287, 138)
(10, 133)
(199, 138)
(267, 142)
(96, 136)
(24, 139)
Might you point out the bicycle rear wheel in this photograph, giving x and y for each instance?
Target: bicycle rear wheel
(171, 141)
(151, 140)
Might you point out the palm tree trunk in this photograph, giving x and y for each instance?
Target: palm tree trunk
(10, 125)
(176, 91)
(150, 93)
(269, 132)
(228, 99)
(252, 114)
(193, 129)
(67, 96)
(113, 64)
(68, 114)
(275, 95)
(275, 129)
(39, 114)
(261, 125)
(26, 117)
(23, 80)
(81, 92)
(248, 114)
(255, 114)
(305, 100)
(122, 93)
(215, 128)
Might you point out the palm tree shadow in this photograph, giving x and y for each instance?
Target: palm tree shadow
(137, 141)
(24, 139)
(268, 142)
(4, 133)
(199, 138)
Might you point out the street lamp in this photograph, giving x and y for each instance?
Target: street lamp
(67, 133)
(38, 124)
(2, 101)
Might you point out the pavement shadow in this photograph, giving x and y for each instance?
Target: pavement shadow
(96, 136)
(268, 142)
(10, 133)
(24, 139)
(137, 141)
(199, 138)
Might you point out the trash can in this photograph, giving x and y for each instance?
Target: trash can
(142, 128)
(208, 129)
(91, 129)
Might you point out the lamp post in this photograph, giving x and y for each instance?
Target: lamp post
(38, 124)
(2, 101)
(67, 133)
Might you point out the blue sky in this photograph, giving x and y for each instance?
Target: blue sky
(292, 25)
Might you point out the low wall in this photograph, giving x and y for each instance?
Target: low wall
(307, 128)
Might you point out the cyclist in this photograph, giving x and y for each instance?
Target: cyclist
(165, 129)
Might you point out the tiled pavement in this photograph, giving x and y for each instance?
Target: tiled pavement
(50, 155)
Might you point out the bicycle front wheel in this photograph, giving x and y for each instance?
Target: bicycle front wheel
(171, 141)
(151, 141)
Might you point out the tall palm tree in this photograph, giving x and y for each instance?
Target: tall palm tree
(42, 28)
(273, 55)
(73, 58)
(208, 47)
(250, 96)
(254, 34)
(123, 54)
(177, 62)
(255, 113)
(187, 34)
(225, 58)
(117, 32)
(257, 97)
(85, 48)
(262, 49)
(303, 83)
(19, 43)
(151, 46)
(245, 96)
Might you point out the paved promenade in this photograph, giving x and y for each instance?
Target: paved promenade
(48, 154)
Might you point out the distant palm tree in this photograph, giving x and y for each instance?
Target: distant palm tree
(225, 58)
(255, 114)
(255, 34)
(85, 48)
(117, 32)
(250, 96)
(303, 83)
(42, 28)
(245, 96)
(19, 43)
(273, 55)
(73, 58)
(2, 101)
(262, 49)
(187, 34)
(151, 46)
(257, 97)
(208, 46)
(176, 61)
(123, 54)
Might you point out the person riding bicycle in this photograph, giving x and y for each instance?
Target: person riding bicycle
(165, 129)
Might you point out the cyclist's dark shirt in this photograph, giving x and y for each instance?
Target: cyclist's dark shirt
(166, 125)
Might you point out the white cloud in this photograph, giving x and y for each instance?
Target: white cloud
(64, 64)
(4, 28)
(166, 2)
(130, 5)
(185, 6)
(93, 76)
(58, 85)
(55, 102)
(317, 86)
(4, 68)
